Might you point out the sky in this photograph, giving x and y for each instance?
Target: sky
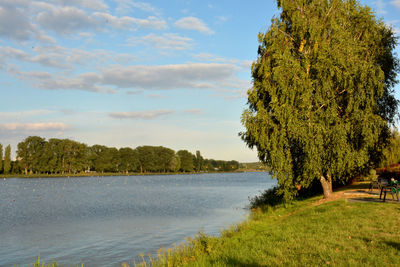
(126, 73)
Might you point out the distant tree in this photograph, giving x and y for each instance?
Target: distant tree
(102, 158)
(7, 160)
(75, 156)
(147, 158)
(175, 163)
(1, 158)
(16, 167)
(129, 159)
(30, 152)
(113, 154)
(322, 99)
(54, 156)
(210, 165)
(186, 159)
(198, 161)
(165, 156)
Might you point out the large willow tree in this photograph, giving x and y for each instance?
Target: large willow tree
(322, 98)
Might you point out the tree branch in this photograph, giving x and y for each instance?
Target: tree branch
(329, 100)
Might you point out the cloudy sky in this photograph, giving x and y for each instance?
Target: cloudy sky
(128, 73)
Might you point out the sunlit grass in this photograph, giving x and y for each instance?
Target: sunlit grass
(39, 263)
(339, 233)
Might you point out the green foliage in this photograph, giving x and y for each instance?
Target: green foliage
(257, 166)
(37, 156)
(129, 159)
(1, 158)
(39, 263)
(269, 197)
(103, 158)
(186, 158)
(300, 235)
(7, 160)
(322, 99)
(372, 175)
(221, 165)
(198, 161)
(30, 152)
(391, 153)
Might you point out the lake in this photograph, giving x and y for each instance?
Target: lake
(104, 221)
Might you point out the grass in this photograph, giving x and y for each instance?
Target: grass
(39, 263)
(338, 233)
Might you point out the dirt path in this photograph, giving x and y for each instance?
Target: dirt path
(352, 193)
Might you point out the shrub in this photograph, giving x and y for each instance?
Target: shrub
(269, 197)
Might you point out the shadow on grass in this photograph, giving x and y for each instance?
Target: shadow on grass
(354, 186)
(395, 245)
(365, 199)
(235, 262)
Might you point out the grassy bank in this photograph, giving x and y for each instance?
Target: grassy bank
(343, 232)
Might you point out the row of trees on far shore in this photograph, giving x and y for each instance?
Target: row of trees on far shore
(35, 155)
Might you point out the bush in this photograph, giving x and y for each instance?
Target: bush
(269, 197)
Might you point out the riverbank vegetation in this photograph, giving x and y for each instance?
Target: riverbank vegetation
(37, 156)
(308, 232)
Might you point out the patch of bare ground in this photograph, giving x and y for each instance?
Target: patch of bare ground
(356, 191)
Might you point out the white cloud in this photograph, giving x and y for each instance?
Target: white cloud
(46, 80)
(166, 41)
(84, 82)
(222, 19)
(45, 126)
(396, 3)
(215, 76)
(62, 57)
(178, 76)
(129, 23)
(21, 20)
(14, 24)
(146, 115)
(24, 114)
(89, 4)
(129, 6)
(207, 57)
(66, 20)
(193, 23)
(71, 19)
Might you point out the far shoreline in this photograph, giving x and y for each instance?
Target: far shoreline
(108, 174)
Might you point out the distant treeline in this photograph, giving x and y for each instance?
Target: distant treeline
(35, 155)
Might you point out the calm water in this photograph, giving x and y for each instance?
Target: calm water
(105, 221)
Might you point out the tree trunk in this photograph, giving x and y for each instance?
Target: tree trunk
(326, 185)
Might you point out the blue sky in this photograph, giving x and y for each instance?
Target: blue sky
(129, 73)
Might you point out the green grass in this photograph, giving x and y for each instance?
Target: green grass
(39, 263)
(337, 233)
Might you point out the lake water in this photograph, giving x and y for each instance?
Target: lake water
(105, 221)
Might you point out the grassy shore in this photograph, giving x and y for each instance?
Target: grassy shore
(348, 231)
